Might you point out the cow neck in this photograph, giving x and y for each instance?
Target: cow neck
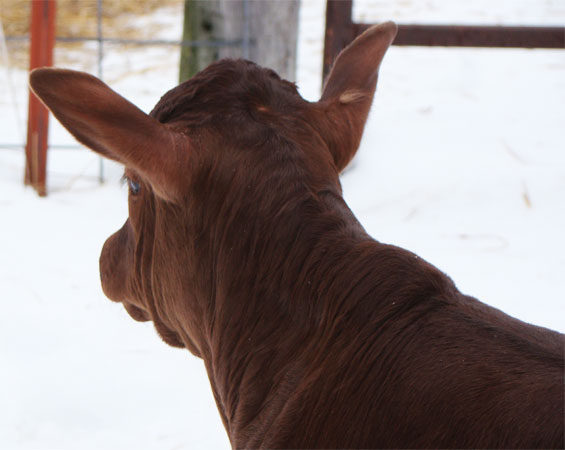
(268, 280)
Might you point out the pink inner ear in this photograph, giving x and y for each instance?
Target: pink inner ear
(349, 91)
(357, 65)
(353, 96)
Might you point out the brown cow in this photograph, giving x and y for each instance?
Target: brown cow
(240, 247)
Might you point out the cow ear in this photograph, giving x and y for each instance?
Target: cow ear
(114, 127)
(349, 90)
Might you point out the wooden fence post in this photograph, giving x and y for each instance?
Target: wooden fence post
(42, 31)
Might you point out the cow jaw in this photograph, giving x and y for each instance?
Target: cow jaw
(115, 266)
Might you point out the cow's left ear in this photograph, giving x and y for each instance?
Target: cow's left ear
(114, 127)
(349, 90)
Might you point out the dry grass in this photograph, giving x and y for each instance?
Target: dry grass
(77, 18)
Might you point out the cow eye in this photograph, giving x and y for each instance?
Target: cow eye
(133, 187)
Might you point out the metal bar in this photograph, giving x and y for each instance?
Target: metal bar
(419, 35)
(477, 36)
(57, 146)
(215, 43)
(13, 95)
(99, 37)
(246, 30)
(340, 31)
(42, 32)
(100, 73)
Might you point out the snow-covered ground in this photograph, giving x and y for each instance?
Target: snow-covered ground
(462, 162)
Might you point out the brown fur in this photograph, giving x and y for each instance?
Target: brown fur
(240, 248)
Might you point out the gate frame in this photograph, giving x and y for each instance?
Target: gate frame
(42, 30)
(341, 30)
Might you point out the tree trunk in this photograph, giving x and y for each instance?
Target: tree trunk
(264, 31)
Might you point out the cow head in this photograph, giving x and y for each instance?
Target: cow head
(220, 161)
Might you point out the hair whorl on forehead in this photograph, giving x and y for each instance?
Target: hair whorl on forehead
(228, 85)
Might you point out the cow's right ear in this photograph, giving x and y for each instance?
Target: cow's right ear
(349, 89)
(112, 126)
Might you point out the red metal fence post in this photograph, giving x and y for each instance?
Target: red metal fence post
(42, 31)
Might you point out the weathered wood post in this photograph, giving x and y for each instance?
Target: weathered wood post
(202, 23)
(263, 31)
(42, 31)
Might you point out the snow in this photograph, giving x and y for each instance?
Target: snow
(462, 162)
(483, 12)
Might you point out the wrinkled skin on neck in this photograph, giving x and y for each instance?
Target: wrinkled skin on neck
(216, 271)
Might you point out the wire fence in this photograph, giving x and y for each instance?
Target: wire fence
(103, 45)
(102, 41)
